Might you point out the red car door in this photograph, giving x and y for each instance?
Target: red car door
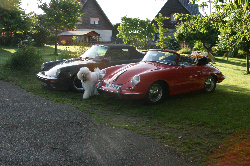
(187, 78)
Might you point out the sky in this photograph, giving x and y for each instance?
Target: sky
(114, 9)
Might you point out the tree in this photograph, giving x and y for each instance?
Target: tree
(232, 19)
(233, 22)
(39, 32)
(115, 32)
(159, 28)
(135, 30)
(9, 4)
(12, 20)
(61, 13)
(197, 28)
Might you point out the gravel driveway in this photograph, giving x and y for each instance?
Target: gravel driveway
(36, 131)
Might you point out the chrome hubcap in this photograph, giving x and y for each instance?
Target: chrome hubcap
(155, 93)
(77, 84)
(209, 84)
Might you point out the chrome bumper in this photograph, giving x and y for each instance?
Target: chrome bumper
(119, 93)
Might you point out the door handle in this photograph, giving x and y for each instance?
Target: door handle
(198, 71)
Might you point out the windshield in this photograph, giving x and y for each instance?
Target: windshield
(164, 57)
(95, 52)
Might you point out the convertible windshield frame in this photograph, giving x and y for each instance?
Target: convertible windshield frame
(159, 56)
(95, 52)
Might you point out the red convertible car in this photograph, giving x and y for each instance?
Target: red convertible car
(159, 74)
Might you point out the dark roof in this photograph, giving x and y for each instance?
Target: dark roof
(192, 8)
(85, 1)
(116, 45)
(78, 33)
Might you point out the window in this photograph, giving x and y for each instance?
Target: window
(173, 17)
(94, 21)
(117, 54)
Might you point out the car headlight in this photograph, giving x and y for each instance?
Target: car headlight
(42, 67)
(102, 73)
(136, 80)
(58, 72)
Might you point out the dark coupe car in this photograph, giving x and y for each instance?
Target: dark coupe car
(159, 74)
(61, 74)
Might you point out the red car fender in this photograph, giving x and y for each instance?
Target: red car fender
(147, 79)
(210, 70)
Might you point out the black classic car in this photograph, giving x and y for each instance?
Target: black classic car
(61, 74)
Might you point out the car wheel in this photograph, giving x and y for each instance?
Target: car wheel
(210, 84)
(156, 93)
(76, 84)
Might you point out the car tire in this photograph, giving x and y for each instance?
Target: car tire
(210, 84)
(76, 84)
(156, 93)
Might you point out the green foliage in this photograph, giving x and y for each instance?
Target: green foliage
(198, 46)
(173, 44)
(133, 30)
(73, 52)
(61, 14)
(12, 21)
(9, 4)
(115, 32)
(39, 32)
(185, 50)
(232, 20)
(197, 28)
(25, 58)
(234, 26)
(161, 31)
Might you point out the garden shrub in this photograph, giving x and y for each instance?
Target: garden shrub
(24, 58)
(173, 44)
(68, 54)
(185, 50)
(198, 46)
(241, 54)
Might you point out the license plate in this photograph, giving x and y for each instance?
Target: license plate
(113, 86)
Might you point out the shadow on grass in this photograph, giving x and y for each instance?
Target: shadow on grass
(232, 61)
(223, 109)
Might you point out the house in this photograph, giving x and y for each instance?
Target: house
(94, 25)
(172, 7)
(81, 36)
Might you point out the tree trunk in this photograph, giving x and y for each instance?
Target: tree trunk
(248, 61)
(209, 49)
(56, 43)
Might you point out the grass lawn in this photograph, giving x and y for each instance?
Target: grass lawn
(207, 128)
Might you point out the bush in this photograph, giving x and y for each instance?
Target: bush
(198, 46)
(173, 44)
(68, 54)
(24, 58)
(185, 50)
(241, 54)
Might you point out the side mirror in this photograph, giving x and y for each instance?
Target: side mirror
(202, 61)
